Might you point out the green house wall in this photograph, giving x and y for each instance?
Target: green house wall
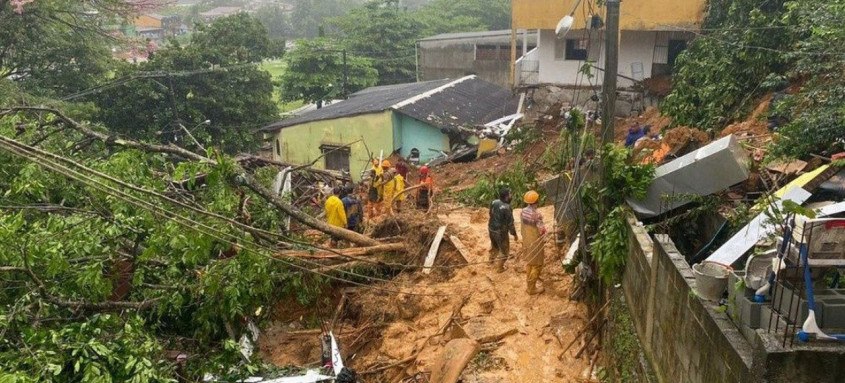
(387, 131)
(300, 144)
(412, 133)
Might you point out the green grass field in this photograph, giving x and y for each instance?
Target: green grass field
(276, 68)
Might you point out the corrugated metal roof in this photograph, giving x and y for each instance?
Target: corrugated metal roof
(506, 33)
(471, 102)
(370, 100)
(441, 103)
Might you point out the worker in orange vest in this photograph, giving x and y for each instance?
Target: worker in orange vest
(426, 193)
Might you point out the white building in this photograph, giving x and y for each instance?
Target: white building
(652, 35)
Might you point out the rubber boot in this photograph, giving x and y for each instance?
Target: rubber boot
(533, 275)
(500, 265)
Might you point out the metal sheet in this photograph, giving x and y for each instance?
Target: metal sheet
(705, 171)
(756, 230)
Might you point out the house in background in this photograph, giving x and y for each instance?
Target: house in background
(403, 118)
(157, 27)
(652, 35)
(484, 54)
(216, 13)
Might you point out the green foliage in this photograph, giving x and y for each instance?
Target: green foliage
(65, 246)
(560, 157)
(444, 16)
(236, 100)
(620, 180)
(315, 72)
(522, 137)
(386, 34)
(518, 178)
(57, 47)
(309, 17)
(817, 111)
(624, 349)
(724, 70)
(610, 246)
(623, 179)
(236, 39)
(751, 49)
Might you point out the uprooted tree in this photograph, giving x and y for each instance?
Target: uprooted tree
(116, 254)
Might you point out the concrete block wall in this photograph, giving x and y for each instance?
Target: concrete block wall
(684, 338)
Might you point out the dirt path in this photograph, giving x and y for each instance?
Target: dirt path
(497, 305)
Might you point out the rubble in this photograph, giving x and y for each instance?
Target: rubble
(710, 169)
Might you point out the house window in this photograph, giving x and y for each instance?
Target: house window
(336, 157)
(572, 49)
(667, 47)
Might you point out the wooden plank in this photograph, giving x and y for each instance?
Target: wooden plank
(455, 357)
(460, 246)
(432, 252)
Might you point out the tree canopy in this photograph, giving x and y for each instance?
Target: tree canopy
(57, 47)
(749, 51)
(112, 253)
(386, 34)
(212, 86)
(315, 72)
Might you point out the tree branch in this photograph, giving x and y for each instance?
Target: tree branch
(288, 209)
(82, 305)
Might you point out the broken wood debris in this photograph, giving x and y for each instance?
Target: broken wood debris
(454, 359)
(462, 250)
(432, 252)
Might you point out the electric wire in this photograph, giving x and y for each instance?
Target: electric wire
(187, 222)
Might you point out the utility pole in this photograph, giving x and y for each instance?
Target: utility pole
(611, 68)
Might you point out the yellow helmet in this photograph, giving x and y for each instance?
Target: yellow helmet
(531, 197)
(385, 164)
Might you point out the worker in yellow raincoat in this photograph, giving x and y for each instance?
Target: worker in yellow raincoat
(393, 185)
(375, 190)
(335, 213)
(533, 238)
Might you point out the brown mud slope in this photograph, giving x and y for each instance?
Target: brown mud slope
(517, 330)
(389, 336)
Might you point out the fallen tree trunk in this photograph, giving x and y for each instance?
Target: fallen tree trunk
(341, 253)
(291, 211)
(340, 233)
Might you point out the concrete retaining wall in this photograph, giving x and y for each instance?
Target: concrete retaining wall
(684, 338)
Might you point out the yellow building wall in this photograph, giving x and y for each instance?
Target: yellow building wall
(300, 144)
(147, 21)
(635, 15)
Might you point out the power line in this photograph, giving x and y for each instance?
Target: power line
(22, 150)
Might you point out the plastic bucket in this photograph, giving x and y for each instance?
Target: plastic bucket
(711, 280)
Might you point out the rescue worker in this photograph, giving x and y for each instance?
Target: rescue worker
(394, 183)
(500, 224)
(402, 167)
(353, 208)
(335, 213)
(426, 191)
(533, 232)
(374, 193)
